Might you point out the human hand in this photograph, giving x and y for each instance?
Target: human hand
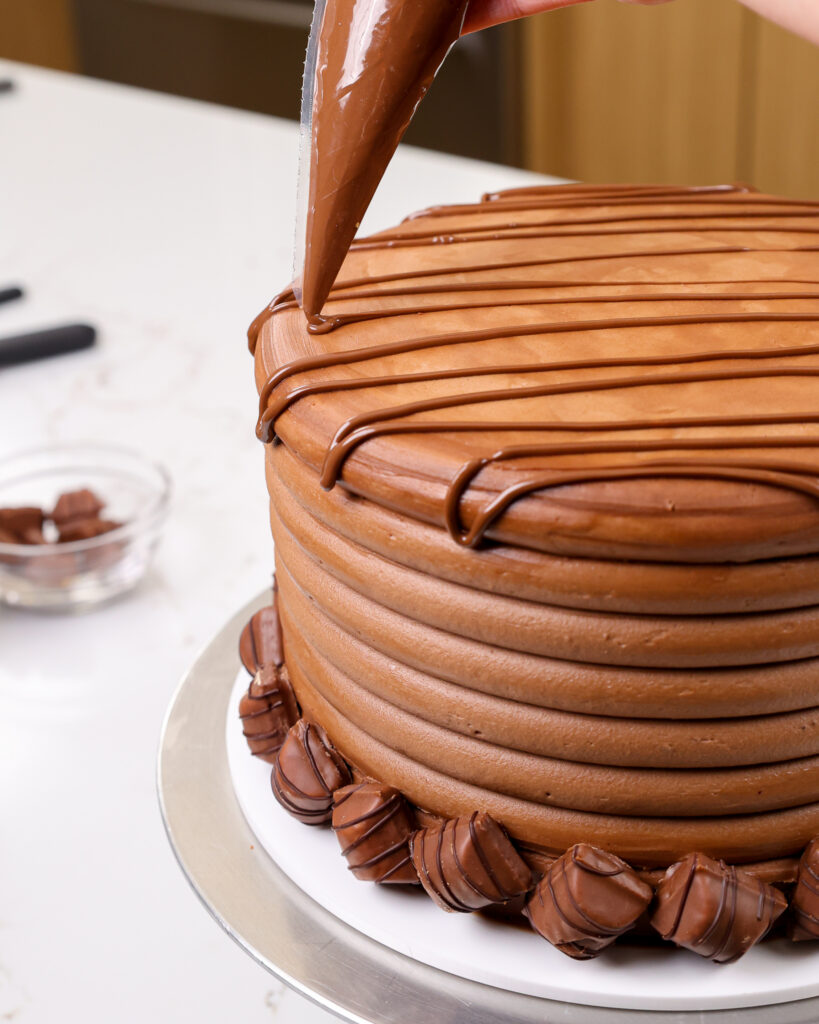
(484, 13)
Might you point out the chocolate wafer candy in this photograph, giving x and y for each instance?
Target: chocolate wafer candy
(587, 899)
(373, 825)
(85, 529)
(805, 902)
(469, 863)
(714, 909)
(32, 535)
(267, 711)
(74, 505)
(307, 771)
(261, 641)
(15, 522)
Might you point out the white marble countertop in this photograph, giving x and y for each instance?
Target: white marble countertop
(168, 224)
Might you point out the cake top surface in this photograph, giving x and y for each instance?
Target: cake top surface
(611, 371)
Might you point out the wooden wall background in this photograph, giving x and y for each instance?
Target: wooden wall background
(693, 92)
(696, 91)
(38, 32)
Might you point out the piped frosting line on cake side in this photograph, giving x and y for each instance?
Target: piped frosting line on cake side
(646, 842)
(594, 585)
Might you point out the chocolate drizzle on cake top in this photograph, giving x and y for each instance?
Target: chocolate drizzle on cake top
(716, 456)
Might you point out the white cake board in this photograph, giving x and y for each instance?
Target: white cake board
(498, 954)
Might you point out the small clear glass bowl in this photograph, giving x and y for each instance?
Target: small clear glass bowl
(83, 573)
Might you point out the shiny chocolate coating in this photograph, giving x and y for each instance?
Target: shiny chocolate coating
(16, 522)
(376, 60)
(267, 711)
(805, 902)
(373, 824)
(261, 641)
(714, 909)
(307, 771)
(469, 863)
(73, 505)
(586, 900)
(33, 535)
(85, 529)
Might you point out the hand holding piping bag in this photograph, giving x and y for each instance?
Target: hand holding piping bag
(800, 16)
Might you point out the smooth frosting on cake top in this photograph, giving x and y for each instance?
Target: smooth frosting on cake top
(627, 372)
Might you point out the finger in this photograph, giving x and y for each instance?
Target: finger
(484, 13)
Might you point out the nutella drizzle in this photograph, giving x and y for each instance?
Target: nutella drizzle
(391, 419)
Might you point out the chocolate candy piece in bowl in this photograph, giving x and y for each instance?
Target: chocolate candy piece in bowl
(79, 524)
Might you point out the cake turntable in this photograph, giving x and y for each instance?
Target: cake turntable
(301, 942)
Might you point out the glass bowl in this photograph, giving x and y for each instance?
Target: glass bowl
(82, 573)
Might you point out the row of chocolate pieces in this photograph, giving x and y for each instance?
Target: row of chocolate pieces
(268, 709)
(465, 864)
(75, 516)
(586, 900)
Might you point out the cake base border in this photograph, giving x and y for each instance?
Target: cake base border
(244, 890)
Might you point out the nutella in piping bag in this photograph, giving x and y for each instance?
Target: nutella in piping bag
(369, 65)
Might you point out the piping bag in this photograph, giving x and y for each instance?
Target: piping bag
(369, 64)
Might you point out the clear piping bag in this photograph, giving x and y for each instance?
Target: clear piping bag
(369, 65)
(308, 87)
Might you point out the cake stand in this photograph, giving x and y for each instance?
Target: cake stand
(297, 940)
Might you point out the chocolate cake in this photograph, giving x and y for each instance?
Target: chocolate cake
(544, 483)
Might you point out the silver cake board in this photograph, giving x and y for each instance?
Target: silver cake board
(293, 937)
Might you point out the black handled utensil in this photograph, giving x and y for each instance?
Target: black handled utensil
(10, 293)
(54, 341)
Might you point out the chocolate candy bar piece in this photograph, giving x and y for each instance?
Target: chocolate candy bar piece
(586, 900)
(805, 903)
(85, 529)
(716, 910)
(466, 864)
(267, 711)
(261, 641)
(72, 505)
(307, 771)
(17, 521)
(373, 825)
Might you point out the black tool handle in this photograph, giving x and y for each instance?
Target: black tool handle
(54, 341)
(13, 292)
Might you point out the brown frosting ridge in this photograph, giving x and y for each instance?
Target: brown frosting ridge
(643, 841)
(566, 634)
(633, 587)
